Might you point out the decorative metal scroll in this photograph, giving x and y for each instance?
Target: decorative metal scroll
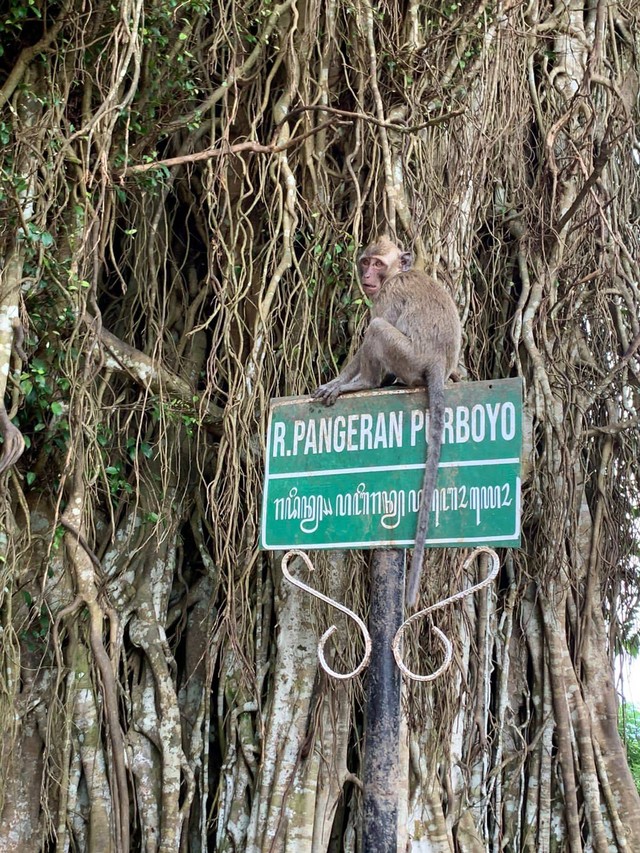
(323, 639)
(395, 646)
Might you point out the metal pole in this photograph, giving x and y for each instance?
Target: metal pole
(382, 733)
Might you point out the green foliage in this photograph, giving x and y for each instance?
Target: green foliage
(46, 378)
(189, 424)
(629, 728)
(35, 634)
(16, 16)
(44, 404)
(335, 264)
(134, 447)
(37, 235)
(118, 482)
(174, 71)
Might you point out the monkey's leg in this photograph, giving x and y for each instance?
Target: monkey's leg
(388, 350)
(384, 350)
(370, 374)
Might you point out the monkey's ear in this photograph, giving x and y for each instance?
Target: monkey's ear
(406, 261)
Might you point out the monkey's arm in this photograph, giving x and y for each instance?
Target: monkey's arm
(331, 390)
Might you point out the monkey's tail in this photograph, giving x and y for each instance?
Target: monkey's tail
(435, 385)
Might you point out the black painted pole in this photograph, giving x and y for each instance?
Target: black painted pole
(382, 733)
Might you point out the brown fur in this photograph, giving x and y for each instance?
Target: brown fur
(415, 335)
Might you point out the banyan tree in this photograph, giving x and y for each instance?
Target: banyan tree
(184, 188)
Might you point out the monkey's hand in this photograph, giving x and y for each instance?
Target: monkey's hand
(329, 392)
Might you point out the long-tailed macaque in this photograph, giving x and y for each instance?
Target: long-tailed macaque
(414, 334)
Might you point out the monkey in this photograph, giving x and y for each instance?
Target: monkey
(414, 334)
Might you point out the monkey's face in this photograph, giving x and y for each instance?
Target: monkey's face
(374, 271)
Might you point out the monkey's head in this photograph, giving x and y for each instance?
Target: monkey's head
(379, 261)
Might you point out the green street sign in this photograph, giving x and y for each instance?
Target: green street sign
(350, 475)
